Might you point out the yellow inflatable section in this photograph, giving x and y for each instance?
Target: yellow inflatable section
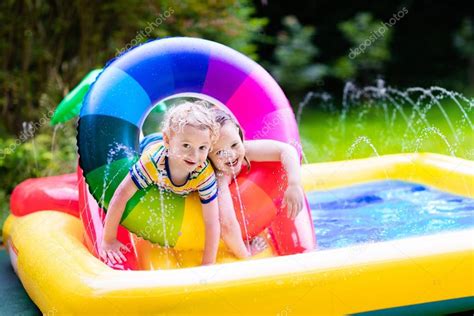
(407, 276)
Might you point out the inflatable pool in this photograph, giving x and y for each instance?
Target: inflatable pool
(418, 275)
(56, 222)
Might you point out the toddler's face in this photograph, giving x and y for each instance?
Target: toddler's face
(228, 152)
(189, 147)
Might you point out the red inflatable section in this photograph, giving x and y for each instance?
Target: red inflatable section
(93, 217)
(293, 236)
(65, 194)
(262, 190)
(254, 207)
(58, 193)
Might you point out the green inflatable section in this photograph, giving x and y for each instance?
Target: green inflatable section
(156, 217)
(70, 106)
(107, 178)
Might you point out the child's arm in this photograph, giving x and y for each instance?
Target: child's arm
(272, 150)
(210, 213)
(110, 247)
(231, 233)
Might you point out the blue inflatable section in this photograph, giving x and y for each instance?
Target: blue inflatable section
(164, 68)
(151, 67)
(132, 83)
(118, 95)
(190, 71)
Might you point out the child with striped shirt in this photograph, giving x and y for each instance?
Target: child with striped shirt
(178, 164)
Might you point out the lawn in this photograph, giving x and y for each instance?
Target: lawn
(368, 130)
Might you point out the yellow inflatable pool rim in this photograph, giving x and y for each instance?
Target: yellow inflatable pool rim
(414, 275)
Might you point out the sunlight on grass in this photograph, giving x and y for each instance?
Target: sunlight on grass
(368, 131)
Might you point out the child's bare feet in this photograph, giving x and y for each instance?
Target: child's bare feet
(257, 245)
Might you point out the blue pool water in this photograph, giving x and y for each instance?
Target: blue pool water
(385, 210)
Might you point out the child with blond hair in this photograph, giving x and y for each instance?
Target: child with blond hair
(178, 164)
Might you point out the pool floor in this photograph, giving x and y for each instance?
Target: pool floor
(385, 210)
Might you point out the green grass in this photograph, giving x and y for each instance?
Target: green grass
(368, 131)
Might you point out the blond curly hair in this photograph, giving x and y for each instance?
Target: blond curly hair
(197, 114)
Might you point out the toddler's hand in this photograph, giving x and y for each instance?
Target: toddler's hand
(293, 200)
(112, 251)
(257, 245)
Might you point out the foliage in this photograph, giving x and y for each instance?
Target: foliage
(55, 43)
(294, 68)
(369, 39)
(38, 152)
(464, 38)
(228, 22)
(464, 43)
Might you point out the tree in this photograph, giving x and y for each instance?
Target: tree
(49, 46)
(369, 50)
(294, 54)
(464, 43)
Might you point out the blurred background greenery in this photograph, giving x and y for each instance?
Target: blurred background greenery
(48, 46)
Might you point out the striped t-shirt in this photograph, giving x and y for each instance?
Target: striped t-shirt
(153, 168)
